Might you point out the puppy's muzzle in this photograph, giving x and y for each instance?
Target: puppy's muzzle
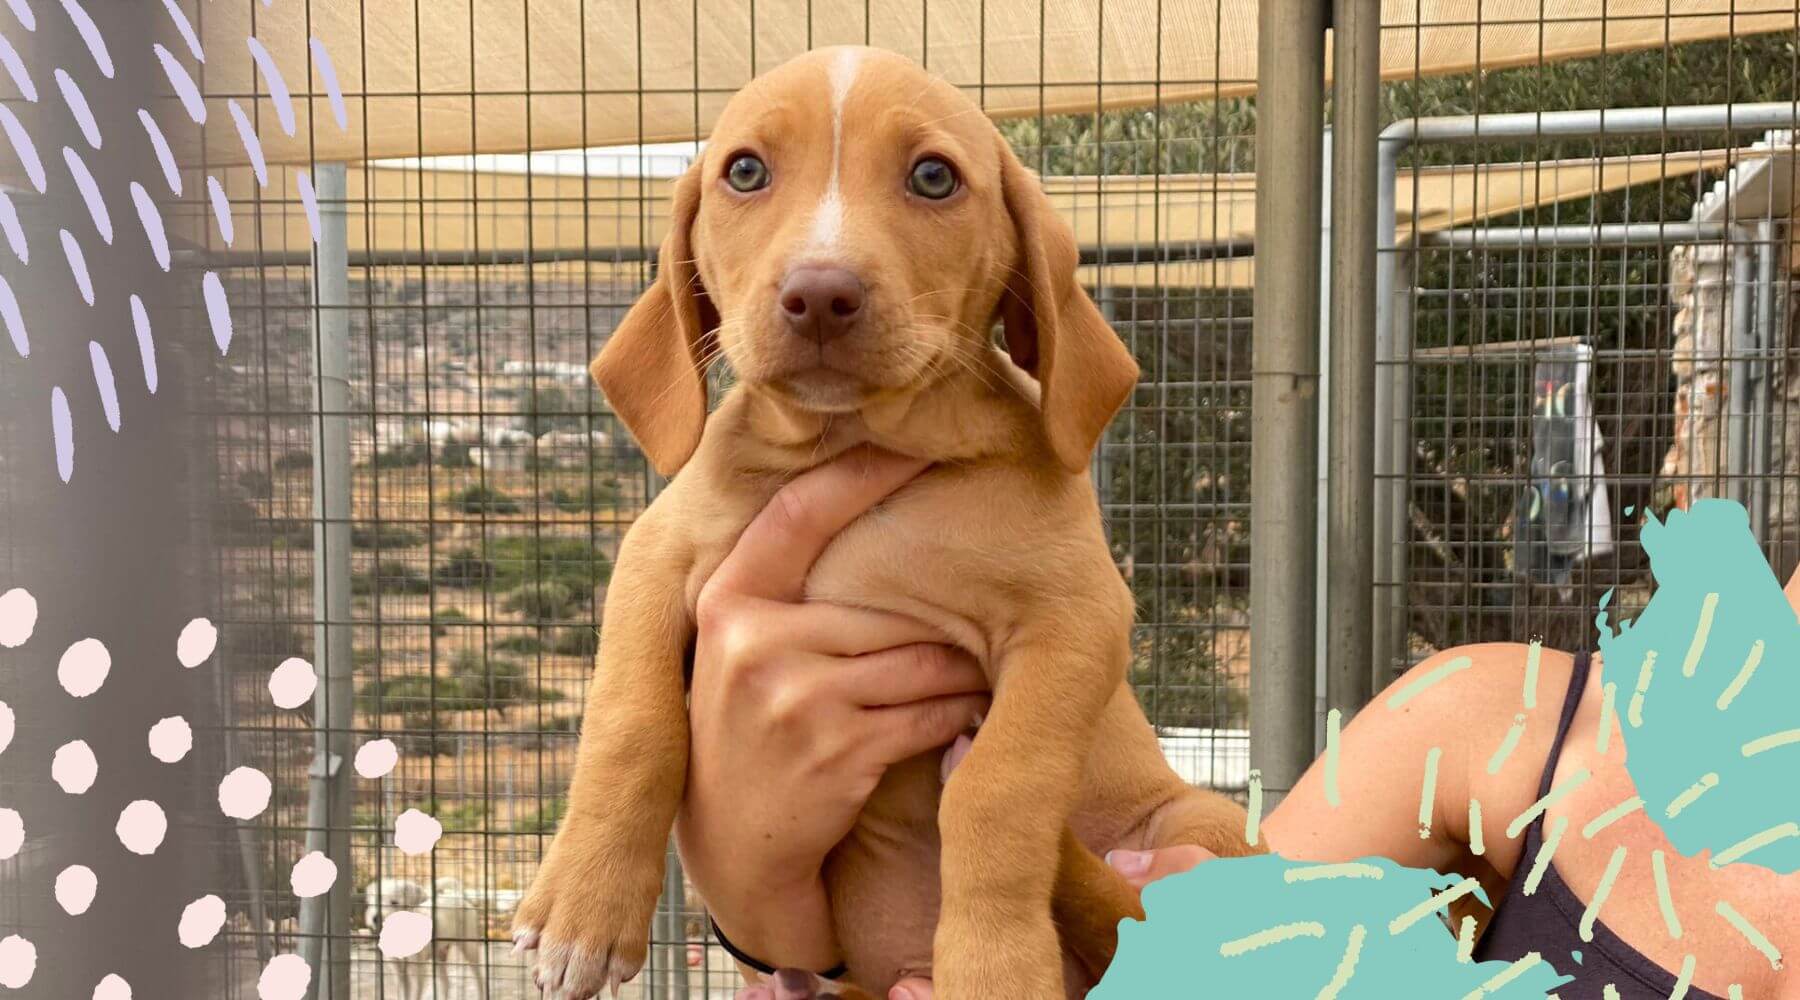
(821, 303)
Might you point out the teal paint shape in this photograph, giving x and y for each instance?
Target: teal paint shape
(1731, 799)
(1193, 938)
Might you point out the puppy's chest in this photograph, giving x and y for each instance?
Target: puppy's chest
(932, 552)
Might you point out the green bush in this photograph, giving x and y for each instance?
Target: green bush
(463, 569)
(527, 644)
(574, 562)
(498, 683)
(390, 577)
(548, 600)
(384, 536)
(403, 456)
(544, 820)
(474, 682)
(444, 618)
(417, 693)
(480, 499)
(586, 498)
(576, 641)
(455, 456)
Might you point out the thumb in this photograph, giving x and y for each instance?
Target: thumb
(1141, 868)
(911, 989)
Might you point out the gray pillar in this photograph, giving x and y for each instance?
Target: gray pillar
(1284, 381)
(325, 920)
(1350, 506)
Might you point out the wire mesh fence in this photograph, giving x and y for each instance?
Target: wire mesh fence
(1588, 330)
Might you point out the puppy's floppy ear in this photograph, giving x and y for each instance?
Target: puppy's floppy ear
(649, 368)
(1053, 330)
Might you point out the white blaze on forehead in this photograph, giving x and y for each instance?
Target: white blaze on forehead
(828, 222)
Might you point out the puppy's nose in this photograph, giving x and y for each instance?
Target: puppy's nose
(821, 303)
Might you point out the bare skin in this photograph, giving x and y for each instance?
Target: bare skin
(1382, 761)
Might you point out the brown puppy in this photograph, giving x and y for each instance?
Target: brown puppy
(851, 234)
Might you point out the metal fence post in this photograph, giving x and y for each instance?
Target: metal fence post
(1322, 571)
(1284, 386)
(1738, 344)
(1766, 361)
(325, 920)
(1350, 540)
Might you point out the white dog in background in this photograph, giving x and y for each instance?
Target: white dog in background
(456, 923)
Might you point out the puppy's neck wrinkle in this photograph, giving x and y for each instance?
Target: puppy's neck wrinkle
(965, 417)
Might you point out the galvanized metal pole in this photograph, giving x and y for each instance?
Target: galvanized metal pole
(325, 920)
(1350, 537)
(1738, 346)
(1284, 384)
(1386, 596)
(1321, 675)
(1762, 450)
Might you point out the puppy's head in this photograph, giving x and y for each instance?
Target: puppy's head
(851, 233)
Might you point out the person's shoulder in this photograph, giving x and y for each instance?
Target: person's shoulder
(1489, 679)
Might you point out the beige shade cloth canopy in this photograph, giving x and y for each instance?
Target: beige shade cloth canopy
(424, 77)
(470, 215)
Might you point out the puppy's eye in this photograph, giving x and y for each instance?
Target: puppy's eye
(747, 174)
(932, 178)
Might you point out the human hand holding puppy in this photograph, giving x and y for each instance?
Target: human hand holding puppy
(797, 708)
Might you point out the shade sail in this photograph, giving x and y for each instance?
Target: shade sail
(424, 77)
(453, 215)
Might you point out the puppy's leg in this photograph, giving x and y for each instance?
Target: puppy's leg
(1090, 901)
(441, 966)
(1005, 808)
(588, 911)
(1201, 817)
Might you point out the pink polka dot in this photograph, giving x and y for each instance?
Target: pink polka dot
(405, 932)
(7, 726)
(284, 978)
(171, 739)
(244, 793)
(292, 683)
(18, 962)
(18, 617)
(113, 987)
(416, 833)
(74, 767)
(196, 642)
(83, 667)
(313, 875)
(12, 833)
(142, 826)
(75, 889)
(376, 758)
(200, 922)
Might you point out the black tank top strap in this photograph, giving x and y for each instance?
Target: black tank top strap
(1578, 676)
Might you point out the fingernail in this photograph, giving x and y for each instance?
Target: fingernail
(755, 993)
(901, 993)
(1129, 863)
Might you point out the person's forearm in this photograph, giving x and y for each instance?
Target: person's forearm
(785, 927)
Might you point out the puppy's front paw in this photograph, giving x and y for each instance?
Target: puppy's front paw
(588, 921)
